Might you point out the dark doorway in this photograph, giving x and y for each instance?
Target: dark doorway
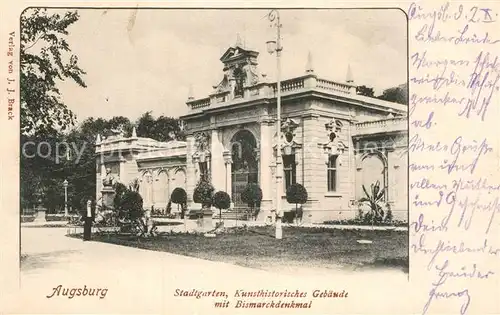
(245, 167)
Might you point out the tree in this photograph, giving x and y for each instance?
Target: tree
(179, 196)
(397, 94)
(162, 128)
(221, 200)
(252, 196)
(364, 90)
(42, 172)
(296, 194)
(203, 193)
(45, 60)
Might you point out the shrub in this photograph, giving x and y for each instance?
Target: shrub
(134, 185)
(252, 196)
(132, 203)
(288, 217)
(296, 194)
(128, 204)
(203, 193)
(120, 189)
(221, 200)
(169, 207)
(179, 197)
(388, 215)
(27, 218)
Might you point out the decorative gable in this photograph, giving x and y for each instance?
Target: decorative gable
(240, 71)
(236, 53)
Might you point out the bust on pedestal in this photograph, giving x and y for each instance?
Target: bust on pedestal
(108, 192)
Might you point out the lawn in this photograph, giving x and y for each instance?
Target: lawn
(300, 247)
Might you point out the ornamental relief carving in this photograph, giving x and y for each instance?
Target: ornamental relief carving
(196, 124)
(288, 139)
(238, 115)
(252, 74)
(202, 141)
(333, 145)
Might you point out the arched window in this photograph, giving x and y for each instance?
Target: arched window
(289, 168)
(331, 173)
(160, 190)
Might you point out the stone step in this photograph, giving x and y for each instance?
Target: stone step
(233, 214)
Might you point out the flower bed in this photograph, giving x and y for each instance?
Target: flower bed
(165, 216)
(395, 223)
(27, 218)
(58, 217)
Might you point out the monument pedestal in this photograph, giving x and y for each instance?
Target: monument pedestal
(207, 223)
(40, 216)
(108, 197)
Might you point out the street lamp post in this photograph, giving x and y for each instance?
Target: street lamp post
(65, 184)
(275, 46)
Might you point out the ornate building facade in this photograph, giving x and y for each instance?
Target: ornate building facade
(333, 142)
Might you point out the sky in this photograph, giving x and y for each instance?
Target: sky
(145, 60)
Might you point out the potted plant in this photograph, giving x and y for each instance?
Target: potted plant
(179, 197)
(374, 201)
(252, 196)
(297, 194)
(221, 200)
(203, 194)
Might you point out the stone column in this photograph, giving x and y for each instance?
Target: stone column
(217, 167)
(266, 156)
(228, 165)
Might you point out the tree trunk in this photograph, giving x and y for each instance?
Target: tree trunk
(296, 222)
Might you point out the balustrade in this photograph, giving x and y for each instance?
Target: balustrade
(387, 124)
(334, 86)
(200, 103)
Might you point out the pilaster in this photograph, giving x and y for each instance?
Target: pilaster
(191, 174)
(313, 165)
(217, 168)
(122, 175)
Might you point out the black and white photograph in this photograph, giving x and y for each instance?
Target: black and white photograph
(168, 145)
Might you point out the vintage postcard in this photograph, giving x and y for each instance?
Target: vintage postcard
(234, 158)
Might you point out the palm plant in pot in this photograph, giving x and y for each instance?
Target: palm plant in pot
(375, 202)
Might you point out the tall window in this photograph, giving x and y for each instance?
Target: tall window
(332, 173)
(289, 169)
